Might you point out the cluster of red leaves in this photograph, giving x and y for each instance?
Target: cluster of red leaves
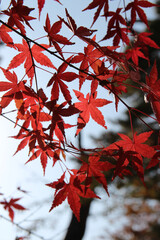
(55, 38)
(19, 14)
(41, 117)
(130, 153)
(71, 191)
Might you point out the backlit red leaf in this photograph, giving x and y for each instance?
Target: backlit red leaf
(4, 36)
(19, 14)
(25, 57)
(99, 5)
(153, 91)
(89, 107)
(136, 7)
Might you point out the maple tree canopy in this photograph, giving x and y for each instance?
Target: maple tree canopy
(43, 113)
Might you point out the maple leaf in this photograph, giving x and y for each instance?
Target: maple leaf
(44, 153)
(135, 7)
(15, 89)
(81, 32)
(122, 161)
(116, 19)
(95, 168)
(88, 106)
(153, 91)
(99, 4)
(137, 144)
(155, 160)
(116, 85)
(4, 36)
(11, 205)
(41, 5)
(33, 137)
(54, 37)
(115, 29)
(40, 145)
(140, 47)
(57, 125)
(118, 33)
(57, 81)
(25, 56)
(18, 14)
(139, 149)
(32, 117)
(31, 111)
(42, 119)
(90, 58)
(134, 54)
(25, 98)
(63, 191)
(143, 39)
(71, 191)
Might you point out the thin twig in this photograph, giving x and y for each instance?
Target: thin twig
(22, 228)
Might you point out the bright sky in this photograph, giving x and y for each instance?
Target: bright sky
(29, 177)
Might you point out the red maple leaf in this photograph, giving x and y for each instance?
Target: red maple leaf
(134, 53)
(95, 168)
(99, 5)
(118, 33)
(139, 149)
(11, 205)
(115, 29)
(57, 125)
(136, 7)
(144, 39)
(90, 58)
(71, 191)
(137, 144)
(140, 47)
(154, 161)
(89, 107)
(13, 88)
(57, 82)
(45, 153)
(66, 191)
(122, 162)
(153, 91)
(117, 85)
(25, 56)
(81, 32)
(4, 36)
(40, 144)
(54, 37)
(18, 14)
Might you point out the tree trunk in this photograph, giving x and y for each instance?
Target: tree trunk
(76, 229)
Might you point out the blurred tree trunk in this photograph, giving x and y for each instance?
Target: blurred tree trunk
(76, 229)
